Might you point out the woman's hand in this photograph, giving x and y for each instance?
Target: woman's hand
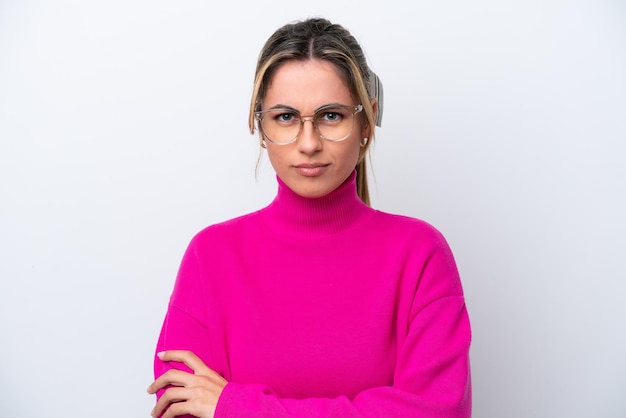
(195, 394)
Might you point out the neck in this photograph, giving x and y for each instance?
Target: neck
(293, 214)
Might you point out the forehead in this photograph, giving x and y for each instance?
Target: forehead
(307, 85)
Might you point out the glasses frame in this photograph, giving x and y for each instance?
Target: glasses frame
(259, 115)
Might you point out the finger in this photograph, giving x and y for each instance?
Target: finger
(177, 410)
(171, 396)
(171, 377)
(197, 401)
(186, 357)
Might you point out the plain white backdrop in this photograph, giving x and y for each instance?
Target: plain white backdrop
(123, 131)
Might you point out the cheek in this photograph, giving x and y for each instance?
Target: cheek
(275, 156)
(345, 162)
(353, 154)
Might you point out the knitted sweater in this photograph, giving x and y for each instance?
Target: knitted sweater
(324, 307)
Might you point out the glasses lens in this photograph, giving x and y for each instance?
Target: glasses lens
(280, 126)
(334, 123)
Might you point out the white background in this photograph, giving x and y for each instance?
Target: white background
(123, 131)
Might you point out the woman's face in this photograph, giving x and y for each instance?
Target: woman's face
(312, 166)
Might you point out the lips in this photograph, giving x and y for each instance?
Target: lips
(311, 169)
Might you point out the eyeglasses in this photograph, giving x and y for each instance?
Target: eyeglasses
(282, 126)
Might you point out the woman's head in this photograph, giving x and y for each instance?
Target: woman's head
(322, 41)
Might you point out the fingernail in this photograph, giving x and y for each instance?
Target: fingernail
(160, 354)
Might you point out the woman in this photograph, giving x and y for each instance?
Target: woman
(317, 305)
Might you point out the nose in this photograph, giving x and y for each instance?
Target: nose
(309, 141)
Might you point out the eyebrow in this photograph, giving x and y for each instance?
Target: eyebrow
(286, 107)
(282, 106)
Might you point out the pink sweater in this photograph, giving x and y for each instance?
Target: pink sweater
(324, 308)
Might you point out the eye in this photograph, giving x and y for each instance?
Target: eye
(331, 116)
(285, 117)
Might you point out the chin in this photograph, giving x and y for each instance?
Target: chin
(312, 192)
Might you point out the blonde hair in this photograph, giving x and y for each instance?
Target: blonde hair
(318, 38)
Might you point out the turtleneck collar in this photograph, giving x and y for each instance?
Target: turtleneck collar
(290, 213)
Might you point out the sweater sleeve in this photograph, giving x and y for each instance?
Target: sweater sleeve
(432, 372)
(182, 328)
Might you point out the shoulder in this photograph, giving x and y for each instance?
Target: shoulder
(408, 227)
(426, 253)
(409, 238)
(228, 230)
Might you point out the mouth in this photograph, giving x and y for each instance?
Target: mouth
(311, 169)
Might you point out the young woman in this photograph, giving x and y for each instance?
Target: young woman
(316, 305)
